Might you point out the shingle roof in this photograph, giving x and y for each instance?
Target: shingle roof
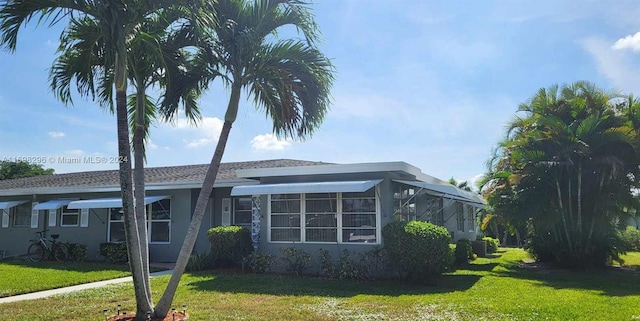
(154, 175)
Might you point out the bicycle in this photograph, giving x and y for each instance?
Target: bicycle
(40, 247)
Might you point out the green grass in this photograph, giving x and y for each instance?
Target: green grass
(632, 259)
(495, 288)
(18, 277)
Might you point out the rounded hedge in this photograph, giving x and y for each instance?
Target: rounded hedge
(420, 249)
(229, 245)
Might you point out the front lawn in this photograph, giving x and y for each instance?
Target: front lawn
(495, 288)
(18, 277)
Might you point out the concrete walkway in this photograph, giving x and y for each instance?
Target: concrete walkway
(47, 293)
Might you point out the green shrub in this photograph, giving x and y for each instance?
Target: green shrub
(296, 260)
(261, 262)
(420, 249)
(199, 262)
(114, 252)
(463, 252)
(78, 251)
(348, 268)
(229, 245)
(492, 244)
(630, 238)
(374, 263)
(327, 267)
(369, 265)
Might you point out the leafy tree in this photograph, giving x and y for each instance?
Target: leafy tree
(568, 168)
(10, 170)
(288, 79)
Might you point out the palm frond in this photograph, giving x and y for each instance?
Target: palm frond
(291, 81)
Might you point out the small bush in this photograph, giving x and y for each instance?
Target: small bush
(78, 251)
(463, 253)
(296, 260)
(374, 263)
(327, 267)
(630, 238)
(369, 265)
(229, 245)
(114, 252)
(261, 262)
(420, 249)
(492, 244)
(348, 268)
(198, 262)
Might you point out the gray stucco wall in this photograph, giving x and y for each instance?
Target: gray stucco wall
(16, 240)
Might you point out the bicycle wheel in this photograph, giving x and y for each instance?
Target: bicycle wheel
(60, 252)
(36, 252)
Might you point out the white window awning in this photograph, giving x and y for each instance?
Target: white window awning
(6, 206)
(449, 191)
(52, 205)
(311, 187)
(113, 202)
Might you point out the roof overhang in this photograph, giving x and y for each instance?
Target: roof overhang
(448, 191)
(6, 206)
(116, 188)
(52, 205)
(328, 169)
(311, 187)
(112, 202)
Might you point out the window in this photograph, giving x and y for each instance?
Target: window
(321, 224)
(242, 209)
(359, 217)
(158, 223)
(327, 217)
(405, 207)
(460, 216)
(434, 210)
(69, 217)
(116, 225)
(471, 217)
(285, 217)
(21, 215)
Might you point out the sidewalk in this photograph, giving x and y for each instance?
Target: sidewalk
(47, 293)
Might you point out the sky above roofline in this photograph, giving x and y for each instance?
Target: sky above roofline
(430, 83)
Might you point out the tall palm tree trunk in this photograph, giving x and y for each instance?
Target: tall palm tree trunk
(163, 306)
(579, 199)
(143, 301)
(564, 220)
(139, 186)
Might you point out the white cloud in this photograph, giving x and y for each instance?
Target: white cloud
(615, 65)
(56, 134)
(629, 42)
(151, 145)
(268, 142)
(205, 132)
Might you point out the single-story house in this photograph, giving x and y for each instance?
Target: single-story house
(283, 202)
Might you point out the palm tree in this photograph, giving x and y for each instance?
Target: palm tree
(463, 185)
(95, 51)
(575, 158)
(288, 79)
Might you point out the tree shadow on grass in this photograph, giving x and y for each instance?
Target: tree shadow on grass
(314, 286)
(477, 267)
(608, 281)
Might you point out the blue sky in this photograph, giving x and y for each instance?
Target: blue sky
(431, 83)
